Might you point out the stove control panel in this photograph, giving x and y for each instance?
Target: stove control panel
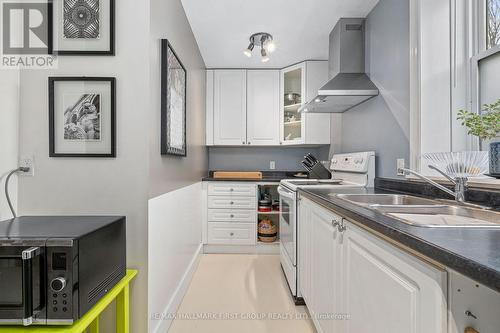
(353, 162)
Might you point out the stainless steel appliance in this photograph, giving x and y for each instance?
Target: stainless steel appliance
(348, 85)
(54, 269)
(348, 171)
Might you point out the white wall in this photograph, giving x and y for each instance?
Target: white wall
(175, 243)
(9, 118)
(174, 182)
(98, 185)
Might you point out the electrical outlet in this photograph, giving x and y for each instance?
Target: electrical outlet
(272, 165)
(400, 163)
(27, 161)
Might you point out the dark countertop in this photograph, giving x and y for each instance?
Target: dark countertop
(267, 176)
(473, 252)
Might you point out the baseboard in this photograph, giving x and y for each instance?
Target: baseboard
(164, 323)
(259, 248)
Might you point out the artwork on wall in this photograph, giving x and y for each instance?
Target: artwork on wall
(82, 117)
(173, 102)
(84, 27)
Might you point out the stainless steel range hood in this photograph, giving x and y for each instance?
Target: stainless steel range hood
(349, 85)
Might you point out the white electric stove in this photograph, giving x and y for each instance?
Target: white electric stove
(348, 171)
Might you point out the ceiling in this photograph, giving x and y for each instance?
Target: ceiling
(300, 28)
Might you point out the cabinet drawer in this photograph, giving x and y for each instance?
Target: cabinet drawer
(231, 202)
(232, 233)
(230, 215)
(223, 188)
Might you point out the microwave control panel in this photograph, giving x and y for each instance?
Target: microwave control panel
(60, 285)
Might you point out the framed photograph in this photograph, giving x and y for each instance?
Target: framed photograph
(173, 102)
(84, 27)
(82, 117)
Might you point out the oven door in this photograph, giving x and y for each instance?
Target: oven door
(288, 216)
(22, 281)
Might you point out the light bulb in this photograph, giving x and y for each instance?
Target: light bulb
(248, 50)
(270, 46)
(265, 59)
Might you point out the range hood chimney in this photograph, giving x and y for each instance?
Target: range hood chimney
(349, 85)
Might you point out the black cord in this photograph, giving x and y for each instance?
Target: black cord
(22, 169)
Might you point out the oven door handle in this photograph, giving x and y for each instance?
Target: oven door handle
(27, 256)
(285, 193)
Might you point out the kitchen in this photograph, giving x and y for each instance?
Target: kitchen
(321, 178)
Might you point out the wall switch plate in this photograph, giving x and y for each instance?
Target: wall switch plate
(27, 161)
(272, 165)
(400, 163)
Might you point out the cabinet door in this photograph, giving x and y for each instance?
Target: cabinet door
(304, 259)
(292, 97)
(263, 126)
(387, 290)
(229, 107)
(324, 265)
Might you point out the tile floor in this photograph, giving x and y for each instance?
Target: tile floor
(241, 288)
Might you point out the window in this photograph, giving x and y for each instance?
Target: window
(493, 23)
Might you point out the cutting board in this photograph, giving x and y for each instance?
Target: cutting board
(238, 174)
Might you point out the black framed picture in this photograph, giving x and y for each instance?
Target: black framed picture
(84, 27)
(82, 117)
(173, 102)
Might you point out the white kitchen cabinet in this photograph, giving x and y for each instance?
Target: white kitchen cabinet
(355, 282)
(229, 107)
(387, 290)
(472, 305)
(299, 84)
(263, 113)
(319, 260)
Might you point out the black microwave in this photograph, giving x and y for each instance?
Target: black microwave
(53, 269)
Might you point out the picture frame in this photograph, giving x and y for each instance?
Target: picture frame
(173, 102)
(82, 116)
(83, 27)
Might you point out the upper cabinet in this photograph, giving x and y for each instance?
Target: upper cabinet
(260, 107)
(230, 101)
(263, 114)
(300, 83)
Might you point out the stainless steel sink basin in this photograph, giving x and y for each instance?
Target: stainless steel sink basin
(426, 212)
(387, 199)
(443, 216)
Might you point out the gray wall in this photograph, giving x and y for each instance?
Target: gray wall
(258, 158)
(382, 123)
(168, 173)
(90, 186)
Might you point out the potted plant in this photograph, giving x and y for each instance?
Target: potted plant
(486, 126)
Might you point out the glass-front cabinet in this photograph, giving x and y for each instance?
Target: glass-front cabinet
(292, 98)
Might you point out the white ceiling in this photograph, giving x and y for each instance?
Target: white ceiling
(300, 28)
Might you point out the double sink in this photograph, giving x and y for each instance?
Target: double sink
(423, 212)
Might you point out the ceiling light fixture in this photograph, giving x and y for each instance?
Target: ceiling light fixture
(266, 43)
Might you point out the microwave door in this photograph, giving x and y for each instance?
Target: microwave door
(21, 282)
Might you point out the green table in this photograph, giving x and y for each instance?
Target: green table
(90, 320)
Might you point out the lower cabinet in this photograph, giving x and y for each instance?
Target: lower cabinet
(353, 281)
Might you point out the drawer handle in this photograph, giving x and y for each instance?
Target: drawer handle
(231, 234)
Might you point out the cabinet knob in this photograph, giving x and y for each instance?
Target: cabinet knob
(248, 142)
(231, 234)
(243, 142)
(231, 189)
(231, 215)
(232, 203)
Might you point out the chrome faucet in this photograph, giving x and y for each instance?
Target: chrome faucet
(459, 182)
